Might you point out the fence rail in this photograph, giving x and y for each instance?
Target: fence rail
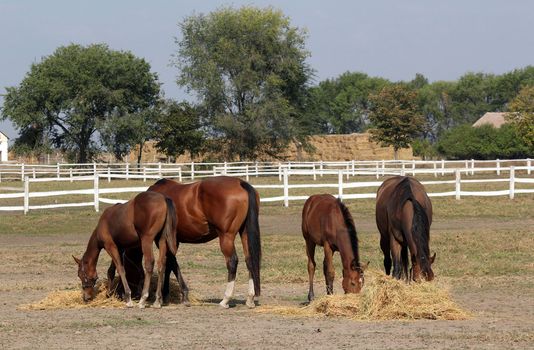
(192, 170)
(335, 188)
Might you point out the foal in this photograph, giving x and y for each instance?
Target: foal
(146, 218)
(327, 222)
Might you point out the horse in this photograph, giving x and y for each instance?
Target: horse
(146, 218)
(327, 222)
(220, 207)
(403, 217)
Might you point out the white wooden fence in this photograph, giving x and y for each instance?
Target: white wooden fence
(334, 188)
(192, 170)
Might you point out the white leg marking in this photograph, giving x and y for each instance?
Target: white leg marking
(229, 293)
(250, 297)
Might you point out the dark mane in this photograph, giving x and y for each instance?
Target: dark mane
(351, 229)
(420, 226)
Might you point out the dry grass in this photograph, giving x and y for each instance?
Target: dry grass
(383, 298)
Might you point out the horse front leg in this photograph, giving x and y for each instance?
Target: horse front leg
(228, 249)
(384, 245)
(328, 268)
(113, 251)
(172, 266)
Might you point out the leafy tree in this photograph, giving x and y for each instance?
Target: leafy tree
(122, 133)
(341, 105)
(247, 67)
(435, 103)
(522, 114)
(178, 129)
(69, 94)
(394, 117)
(484, 142)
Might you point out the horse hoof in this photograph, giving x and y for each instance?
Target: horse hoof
(156, 305)
(141, 306)
(224, 305)
(251, 304)
(187, 303)
(129, 304)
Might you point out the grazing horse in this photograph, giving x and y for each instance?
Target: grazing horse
(146, 218)
(403, 217)
(217, 207)
(327, 222)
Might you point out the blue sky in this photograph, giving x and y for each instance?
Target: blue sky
(388, 38)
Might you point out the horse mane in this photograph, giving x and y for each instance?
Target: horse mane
(351, 229)
(420, 223)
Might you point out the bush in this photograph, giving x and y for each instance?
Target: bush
(485, 142)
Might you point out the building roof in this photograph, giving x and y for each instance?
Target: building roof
(493, 118)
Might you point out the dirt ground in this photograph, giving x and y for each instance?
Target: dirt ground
(31, 267)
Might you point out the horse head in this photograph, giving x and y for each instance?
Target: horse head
(424, 269)
(88, 276)
(353, 279)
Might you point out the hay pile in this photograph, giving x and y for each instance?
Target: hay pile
(72, 299)
(383, 298)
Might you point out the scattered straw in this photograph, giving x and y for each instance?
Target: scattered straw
(383, 298)
(72, 299)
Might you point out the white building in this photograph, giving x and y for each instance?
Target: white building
(3, 147)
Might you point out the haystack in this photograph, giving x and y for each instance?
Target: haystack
(383, 298)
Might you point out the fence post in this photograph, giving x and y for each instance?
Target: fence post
(314, 172)
(225, 168)
(353, 167)
(321, 167)
(472, 167)
(443, 167)
(377, 171)
(286, 189)
(94, 167)
(340, 185)
(458, 183)
(96, 193)
(144, 174)
(512, 182)
(192, 170)
(22, 172)
(246, 172)
(383, 167)
(413, 167)
(33, 171)
(127, 171)
(159, 170)
(257, 170)
(180, 174)
(498, 166)
(348, 172)
(466, 167)
(70, 175)
(402, 169)
(529, 165)
(109, 174)
(26, 195)
(435, 171)
(279, 171)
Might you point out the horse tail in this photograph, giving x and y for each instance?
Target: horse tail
(253, 234)
(351, 228)
(420, 226)
(169, 229)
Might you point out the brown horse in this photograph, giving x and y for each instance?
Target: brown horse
(146, 218)
(327, 222)
(218, 207)
(403, 217)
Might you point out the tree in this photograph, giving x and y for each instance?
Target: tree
(179, 129)
(394, 117)
(341, 105)
(69, 94)
(247, 67)
(522, 115)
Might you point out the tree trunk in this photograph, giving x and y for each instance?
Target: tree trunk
(395, 153)
(140, 154)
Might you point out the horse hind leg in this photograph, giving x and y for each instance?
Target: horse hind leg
(111, 277)
(228, 249)
(397, 260)
(148, 256)
(161, 270)
(384, 245)
(404, 260)
(250, 295)
(310, 251)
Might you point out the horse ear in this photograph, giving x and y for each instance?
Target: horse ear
(432, 258)
(78, 261)
(365, 266)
